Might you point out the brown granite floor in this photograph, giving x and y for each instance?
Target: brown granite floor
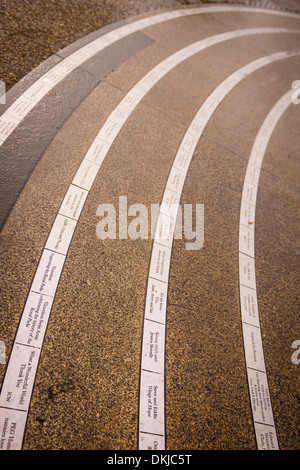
(30, 31)
(87, 384)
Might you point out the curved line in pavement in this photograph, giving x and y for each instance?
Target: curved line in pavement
(24, 358)
(152, 435)
(256, 370)
(22, 106)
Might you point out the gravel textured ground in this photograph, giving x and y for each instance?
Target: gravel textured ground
(30, 31)
(33, 30)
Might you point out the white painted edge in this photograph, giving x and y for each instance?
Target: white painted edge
(15, 114)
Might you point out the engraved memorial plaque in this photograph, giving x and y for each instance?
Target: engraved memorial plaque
(34, 320)
(152, 403)
(156, 301)
(153, 347)
(249, 308)
(160, 261)
(61, 234)
(17, 387)
(247, 271)
(12, 425)
(86, 174)
(253, 347)
(73, 202)
(246, 240)
(260, 397)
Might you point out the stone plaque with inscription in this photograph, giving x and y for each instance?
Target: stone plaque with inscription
(152, 403)
(156, 301)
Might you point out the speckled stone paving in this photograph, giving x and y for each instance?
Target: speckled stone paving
(87, 387)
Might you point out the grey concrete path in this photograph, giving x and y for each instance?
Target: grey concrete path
(135, 342)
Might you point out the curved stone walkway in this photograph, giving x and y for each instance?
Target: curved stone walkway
(150, 240)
